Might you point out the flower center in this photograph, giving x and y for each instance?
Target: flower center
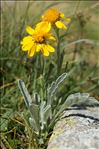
(39, 38)
(51, 15)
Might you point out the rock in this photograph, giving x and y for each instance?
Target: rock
(78, 129)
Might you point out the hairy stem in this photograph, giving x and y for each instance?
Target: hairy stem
(58, 52)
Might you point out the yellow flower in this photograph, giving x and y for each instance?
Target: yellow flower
(38, 39)
(53, 16)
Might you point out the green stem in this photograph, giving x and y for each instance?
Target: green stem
(58, 52)
(35, 73)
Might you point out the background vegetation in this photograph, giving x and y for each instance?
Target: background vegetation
(79, 50)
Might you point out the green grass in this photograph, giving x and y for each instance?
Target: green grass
(37, 75)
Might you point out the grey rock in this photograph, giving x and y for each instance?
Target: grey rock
(77, 129)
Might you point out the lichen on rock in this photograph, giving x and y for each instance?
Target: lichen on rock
(78, 129)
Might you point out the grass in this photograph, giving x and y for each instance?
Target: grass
(83, 56)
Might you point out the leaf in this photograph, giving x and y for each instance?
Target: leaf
(25, 93)
(42, 114)
(61, 78)
(45, 113)
(34, 109)
(75, 99)
(78, 99)
(36, 98)
(54, 86)
(33, 125)
(52, 89)
(81, 99)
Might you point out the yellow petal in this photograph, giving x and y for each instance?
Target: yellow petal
(32, 51)
(62, 15)
(51, 37)
(42, 17)
(28, 46)
(45, 51)
(38, 47)
(67, 20)
(30, 30)
(26, 40)
(49, 48)
(60, 25)
(43, 26)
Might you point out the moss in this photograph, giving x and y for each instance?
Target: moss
(70, 121)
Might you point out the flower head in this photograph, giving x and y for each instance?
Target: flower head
(38, 39)
(53, 16)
